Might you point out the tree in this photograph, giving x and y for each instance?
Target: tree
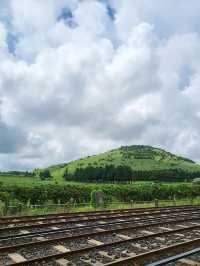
(45, 175)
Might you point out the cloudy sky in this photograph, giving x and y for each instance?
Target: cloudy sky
(81, 77)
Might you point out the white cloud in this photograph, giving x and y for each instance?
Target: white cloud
(67, 91)
(3, 45)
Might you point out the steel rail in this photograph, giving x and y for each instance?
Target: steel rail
(85, 219)
(67, 217)
(175, 257)
(92, 213)
(99, 247)
(143, 257)
(83, 227)
(99, 233)
(27, 218)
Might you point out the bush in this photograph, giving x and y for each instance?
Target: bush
(45, 175)
(85, 192)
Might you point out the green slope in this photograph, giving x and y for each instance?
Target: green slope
(138, 157)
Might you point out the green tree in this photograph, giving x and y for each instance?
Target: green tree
(45, 175)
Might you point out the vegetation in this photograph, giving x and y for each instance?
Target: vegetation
(127, 174)
(23, 209)
(81, 193)
(127, 164)
(45, 175)
(108, 173)
(17, 173)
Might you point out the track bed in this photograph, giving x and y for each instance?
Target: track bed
(120, 237)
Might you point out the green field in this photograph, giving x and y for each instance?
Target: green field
(22, 181)
(8, 180)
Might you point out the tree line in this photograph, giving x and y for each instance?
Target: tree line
(123, 173)
(81, 193)
(108, 173)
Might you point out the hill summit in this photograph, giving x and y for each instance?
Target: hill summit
(140, 161)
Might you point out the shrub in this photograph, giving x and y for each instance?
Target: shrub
(45, 175)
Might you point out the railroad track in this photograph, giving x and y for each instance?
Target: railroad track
(98, 218)
(191, 257)
(78, 214)
(132, 237)
(6, 221)
(81, 228)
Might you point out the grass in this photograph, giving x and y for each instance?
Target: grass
(23, 181)
(8, 180)
(46, 209)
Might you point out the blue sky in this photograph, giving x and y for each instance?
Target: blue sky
(82, 77)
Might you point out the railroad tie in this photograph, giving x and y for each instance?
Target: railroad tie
(195, 223)
(40, 238)
(79, 224)
(180, 225)
(123, 236)
(100, 230)
(119, 220)
(61, 248)
(25, 231)
(179, 235)
(147, 232)
(63, 262)
(16, 257)
(95, 242)
(11, 225)
(132, 254)
(190, 262)
(54, 228)
(165, 228)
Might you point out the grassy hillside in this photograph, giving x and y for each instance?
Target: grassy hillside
(138, 157)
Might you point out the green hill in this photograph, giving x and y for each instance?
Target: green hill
(145, 162)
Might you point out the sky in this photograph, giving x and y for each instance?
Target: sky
(79, 77)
